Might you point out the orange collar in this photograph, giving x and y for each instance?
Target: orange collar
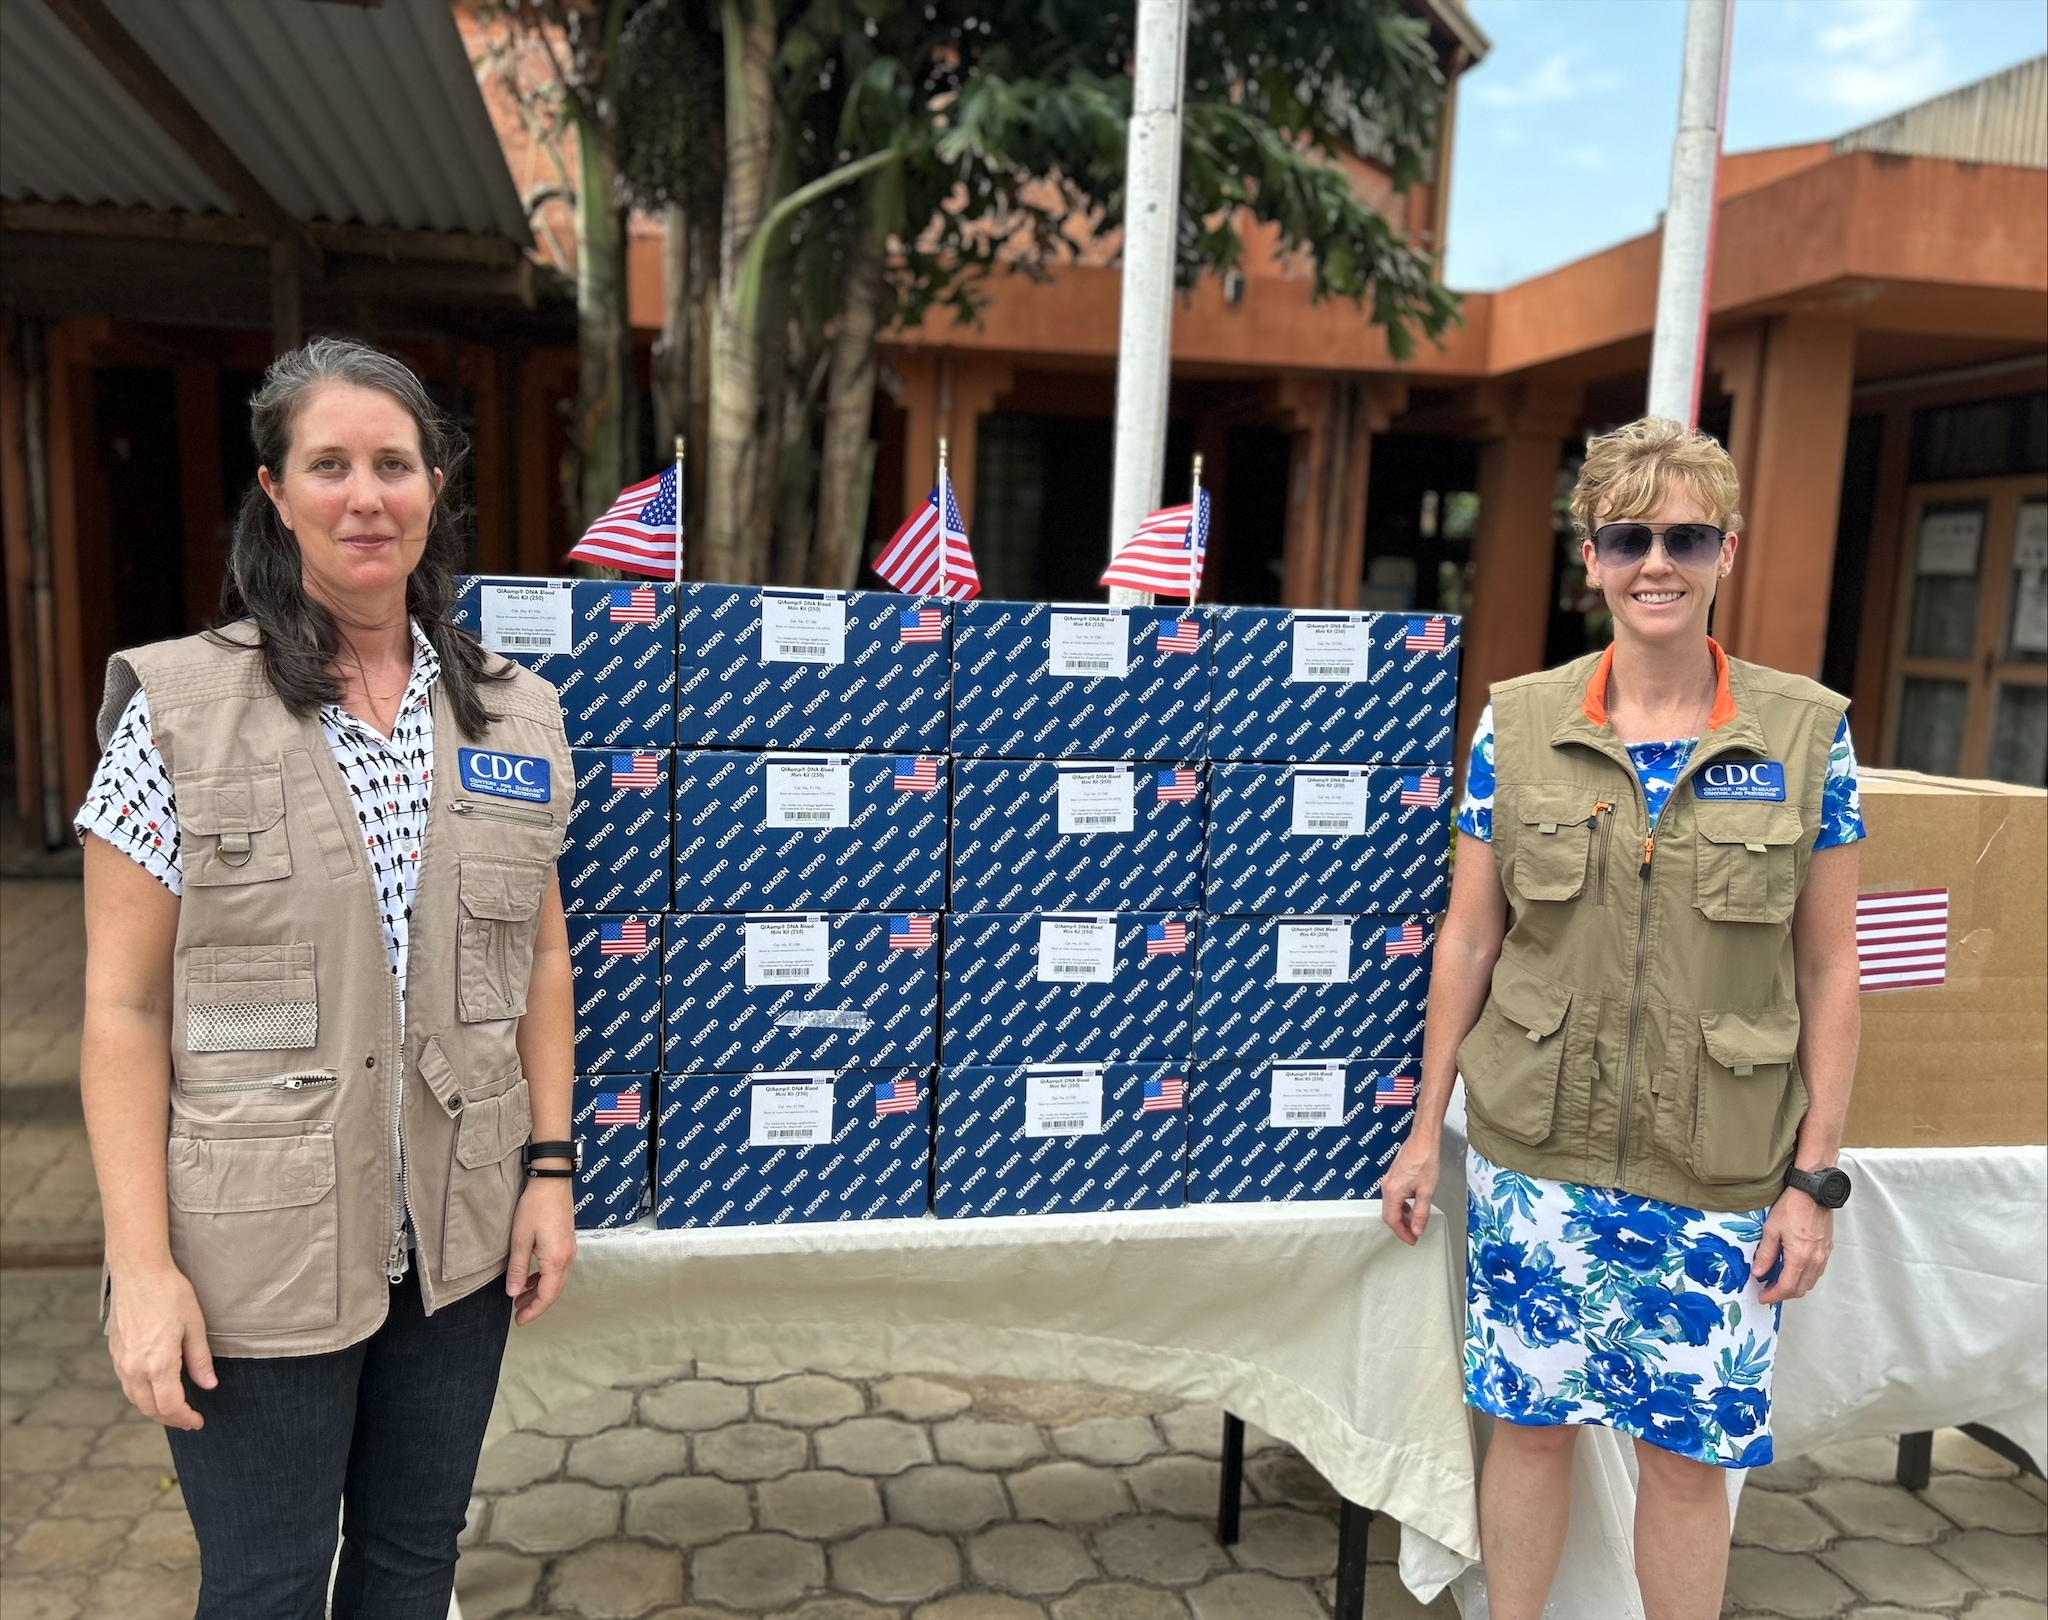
(1594, 707)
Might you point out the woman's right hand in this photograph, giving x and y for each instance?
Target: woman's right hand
(156, 1333)
(1409, 1185)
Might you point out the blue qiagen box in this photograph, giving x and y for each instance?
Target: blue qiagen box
(616, 855)
(609, 650)
(761, 1149)
(1278, 1130)
(1312, 986)
(1076, 987)
(1358, 688)
(759, 667)
(1288, 839)
(1057, 1138)
(1037, 680)
(614, 1129)
(809, 832)
(615, 971)
(1060, 835)
(857, 990)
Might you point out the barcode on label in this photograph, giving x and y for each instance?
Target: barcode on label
(1332, 823)
(1312, 972)
(1304, 1113)
(821, 815)
(801, 649)
(785, 973)
(1064, 1122)
(1095, 821)
(1087, 663)
(525, 641)
(1071, 970)
(1329, 669)
(799, 1134)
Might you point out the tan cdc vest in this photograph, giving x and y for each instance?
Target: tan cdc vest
(1642, 1031)
(290, 1089)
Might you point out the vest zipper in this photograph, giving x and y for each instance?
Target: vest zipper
(394, 1262)
(501, 812)
(283, 1082)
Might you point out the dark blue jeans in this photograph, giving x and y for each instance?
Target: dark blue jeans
(389, 1429)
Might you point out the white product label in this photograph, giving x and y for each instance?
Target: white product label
(1331, 649)
(1077, 950)
(1949, 542)
(1312, 951)
(1329, 804)
(1098, 799)
(1063, 1102)
(1306, 1096)
(529, 619)
(1090, 645)
(793, 1110)
(815, 794)
(825, 1018)
(796, 950)
(803, 629)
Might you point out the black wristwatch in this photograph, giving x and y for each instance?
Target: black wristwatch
(1827, 1188)
(572, 1151)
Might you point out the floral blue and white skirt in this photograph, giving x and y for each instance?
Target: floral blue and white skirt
(1585, 1305)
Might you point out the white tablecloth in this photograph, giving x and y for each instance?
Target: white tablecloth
(1309, 1320)
(1933, 1312)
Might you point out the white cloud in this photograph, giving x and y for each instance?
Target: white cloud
(1557, 78)
(1878, 56)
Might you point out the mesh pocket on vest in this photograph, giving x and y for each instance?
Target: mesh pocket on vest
(241, 1026)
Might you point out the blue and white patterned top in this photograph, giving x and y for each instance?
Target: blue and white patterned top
(1658, 765)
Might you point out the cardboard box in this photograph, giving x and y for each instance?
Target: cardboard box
(615, 972)
(877, 1007)
(1039, 680)
(1238, 1154)
(1312, 986)
(1356, 688)
(1076, 835)
(611, 1187)
(716, 1166)
(1287, 839)
(609, 650)
(1962, 1062)
(1120, 987)
(845, 670)
(809, 832)
(1008, 1144)
(616, 854)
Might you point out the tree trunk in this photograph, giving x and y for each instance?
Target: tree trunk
(799, 462)
(847, 470)
(601, 402)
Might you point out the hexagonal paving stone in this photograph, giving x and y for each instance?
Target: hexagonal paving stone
(947, 1499)
(1887, 1512)
(520, 1458)
(64, 1546)
(106, 1493)
(979, 1443)
(693, 1403)
(1117, 1602)
(817, 1608)
(1034, 1559)
(922, 1400)
(756, 1572)
(1286, 1477)
(1781, 1522)
(750, 1451)
(896, 1565)
(1253, 1597)
(554, 1518)
(1799, 1473)
(1068, 1493)
(136, 1594)
(1196, 1429)
(1159, 1550)
(2007, 1608)
(607, 1409)
(1189, 1486)
(2004, 1563)
(1912, 1575)
(1783, 1583)
(1956, 1453)
(1870, 1458)
(629, 1457)
(688, 1512)
(490, 1583)
(1108, 1440)
(979, 1606)
(820, 1506)
(617, 1580)
(1987, 1504)
(1287, 1541)
(873, 1446)
(808, 1400)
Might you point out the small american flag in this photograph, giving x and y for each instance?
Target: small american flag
(1427, 791)
(636, 771)
(1393, 1091)
(1184, 637)
(916, 776)
(618, 1107)
(1425, 635)
(910, 933)
(1405, 939)
(929, 555)
(632, 604)
(898, 1096)
(1166, 939)
(1164, 555)
(919, 624)
(1180, 783)
(625, 936)
(1902, 939)
(639, 533)
(1165, 1096)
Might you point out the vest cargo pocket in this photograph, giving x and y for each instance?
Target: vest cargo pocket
(1514, 1058)
(250, 998)
(484, 1180)
(231, 827)
(254, 1226)
(1553, 844)
(1748, 868)
(500, 908)
(1751, 1098)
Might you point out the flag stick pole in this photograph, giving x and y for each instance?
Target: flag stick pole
(1194, 531)
(679, 509)
(945, 557)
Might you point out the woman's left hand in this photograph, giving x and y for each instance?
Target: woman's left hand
(543, 1236)
(1798, 1237)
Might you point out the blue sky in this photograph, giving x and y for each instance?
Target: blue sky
(1564, 131)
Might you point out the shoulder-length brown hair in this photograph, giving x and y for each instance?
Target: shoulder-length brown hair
(265, 582)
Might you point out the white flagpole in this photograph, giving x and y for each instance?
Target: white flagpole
(679, 511)
(945, 555)
(1195, 533)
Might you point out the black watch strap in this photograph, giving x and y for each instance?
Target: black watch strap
(571, 1151)
(1828, 1188)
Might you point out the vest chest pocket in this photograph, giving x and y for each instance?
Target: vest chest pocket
(1751, 1098)
(231, 827)
(1553, 842)
(500, 915)
(250, 998)
(1514, 1057)
(484, 1180)
(1747, 868)
(254, 1225)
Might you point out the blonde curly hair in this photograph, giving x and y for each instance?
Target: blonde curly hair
(1628, 473)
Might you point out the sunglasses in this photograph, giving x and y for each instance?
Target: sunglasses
(1686, 544)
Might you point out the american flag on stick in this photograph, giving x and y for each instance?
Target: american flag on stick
(1902, 939)
(1164, 555)
(642, 531)
(929, 555)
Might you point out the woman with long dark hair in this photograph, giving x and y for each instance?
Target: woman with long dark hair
(327, 1055)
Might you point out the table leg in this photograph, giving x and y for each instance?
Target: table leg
(1916, 1459)
(1354, 1525)
(1230, 1494)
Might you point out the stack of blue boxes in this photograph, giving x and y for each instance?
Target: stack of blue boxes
(880, 905)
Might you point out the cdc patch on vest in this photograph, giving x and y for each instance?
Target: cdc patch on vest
(1279, 1130)
(1033, 680)
(792, 1145)
(1752, 780)
(1326, 838)
(1049, 1138)
(770, 668)
(1312, 986)
(616, 855)
(615, 964)
(609, 650)
(614, 1129)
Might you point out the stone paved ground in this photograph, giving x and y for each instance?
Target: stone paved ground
(49, 1207)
